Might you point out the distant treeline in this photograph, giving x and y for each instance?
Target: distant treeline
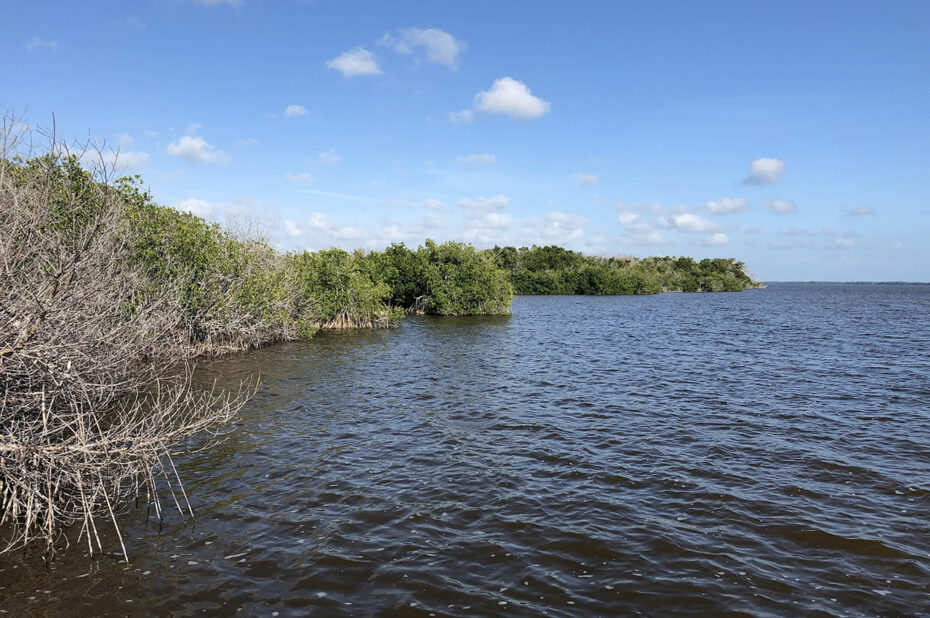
(554, 270)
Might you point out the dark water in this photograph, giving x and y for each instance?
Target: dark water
(763, 452)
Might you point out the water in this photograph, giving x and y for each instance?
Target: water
(762, 453)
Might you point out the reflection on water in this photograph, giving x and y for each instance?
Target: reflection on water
(763, 452)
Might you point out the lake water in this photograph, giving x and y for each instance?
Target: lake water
(765, 453)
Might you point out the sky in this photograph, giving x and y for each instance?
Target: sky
(794, 136)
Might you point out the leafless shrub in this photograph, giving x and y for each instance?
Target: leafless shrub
(90, 413)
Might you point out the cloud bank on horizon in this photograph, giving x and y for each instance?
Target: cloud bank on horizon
(330, 130)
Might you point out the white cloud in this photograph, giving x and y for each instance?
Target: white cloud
(125, 140)
(201, 208)
(484, 222)
(318, 222)
(633, 223)
(348, 233)
(131, 160)
(484, 204)
(248, 142)
(688, 222)
(896, 245)
(303, 177)
(330, 157)
(291, 229)
(716, 240)
(196, 149)
(844, 243)
(486, 228)
(478, 160)
(583, 180)
(860, 211)
(557, 227)
(765, 172)
(38, 42)
(295, 111)
(726, 206)
(358, 61)
(429, 222)
(782, 207)
(434, 204)
(511, 97)
(646, 239)
(439, 46)
(116, 159)
(466, 115)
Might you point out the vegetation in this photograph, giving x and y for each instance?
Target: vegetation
(105, 296)
(553, 270)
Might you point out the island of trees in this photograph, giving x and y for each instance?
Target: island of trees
(105, 296)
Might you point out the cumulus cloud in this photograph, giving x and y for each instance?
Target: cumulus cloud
(430, 222)
(295, 111)
(781, 207)
(129, 159)
(438, 46)
(486, 228)
(196, 149)
(318, 222)
(40, 43)
(716, 240)
(844, 243)
(484, 204)
(765, 172)
(556, 227)
(478, 160)
(291, 229)
(633, 223)
(688, 222)
(859, 211)
(466, 115)
(347, 233)
(583, 180)
(329, 157)
(303, 177)
(726, 206)
(195, 206)
(511, 97)
(646, 239)
(484, 221)
(358, 61)
(434, 204)
(116, 159)
(125, 140)
(638, 230)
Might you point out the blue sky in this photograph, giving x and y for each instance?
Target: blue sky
(794, 136)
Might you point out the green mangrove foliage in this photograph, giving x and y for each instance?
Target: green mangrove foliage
(554, 270)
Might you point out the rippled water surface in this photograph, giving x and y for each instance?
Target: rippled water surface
(766, 452)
